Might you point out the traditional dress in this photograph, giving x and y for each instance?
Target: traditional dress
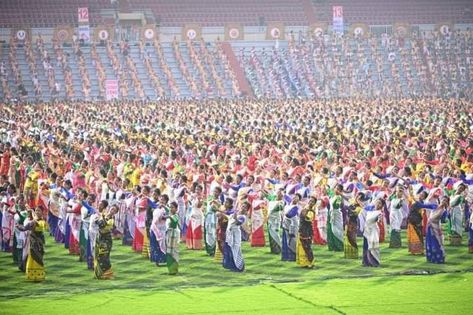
(180, 195)
(415, 238)
(20, 241)
(232, 256)
(53, 212)
(146, 252)
(470, 227)
(320, 223)
(129, 221)
(274, 224)
(371, 252)
(456, 220)
(140, 225)
(396, 216)
(85, 245)
(34, 264)
(304, 254)
(335, 225)
(103, 247)
(62, 224)
(120, 217)
(75, 229)
(290, 227)
(210, 229)
(222, 224)
(172, 243)
(194, 228)
(350, 246)
(158, 236)
(31, 187)
(434, 249)
(7, 229)
(257, 223)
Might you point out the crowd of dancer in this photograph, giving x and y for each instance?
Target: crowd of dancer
(377, 65)
(214, 173)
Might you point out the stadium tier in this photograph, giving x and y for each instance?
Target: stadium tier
(324, 68)
(49, 13)
(386, 12)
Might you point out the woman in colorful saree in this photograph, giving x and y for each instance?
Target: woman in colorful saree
(415, 240)
(31, 185)
(434, 249)
(371, 252)
(84, 241)
(34, 264)
(304, 254)
(7, 212)
(290, 227)
(274, 222)
(214, 203)
(222, 224)
(103, 243)
(457, 205)
(75, 223)
(470, 228)
(158, 232)
(172, 239)
(350, 247)
(257, 221)
(396, 216)
(194, 229)
(320, 222)
(140, 224)
(232, 256)
(335, 222)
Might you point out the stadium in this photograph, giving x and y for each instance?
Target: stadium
(236, 156)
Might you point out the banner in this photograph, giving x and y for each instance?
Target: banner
(21, 34)
(233, 31)
(63, 33)
(338, 26)
(317, 29)
(103, 33)
(444, 29)
(359, 30)
(192, 32)
(84, 33)
(149, 33)
(111, 89)
(83, 15)
(275, 31)
(401, 29)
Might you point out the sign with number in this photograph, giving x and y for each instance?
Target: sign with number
(338, 19)
(103, 34)
(111, 89)
(338, 11)
(83, 14)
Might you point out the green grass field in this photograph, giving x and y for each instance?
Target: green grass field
(403, 284)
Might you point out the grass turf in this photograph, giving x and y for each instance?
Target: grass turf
(267, 285)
